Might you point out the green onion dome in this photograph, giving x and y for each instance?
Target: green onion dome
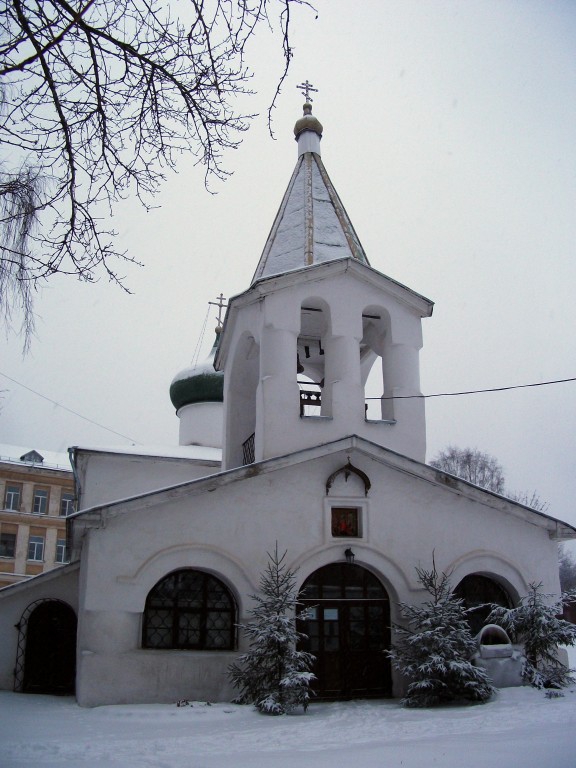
(200, 383)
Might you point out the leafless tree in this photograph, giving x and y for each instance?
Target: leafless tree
(484, 470)
(472, 465)
(532, 500)
(567, 566)
(97, 99)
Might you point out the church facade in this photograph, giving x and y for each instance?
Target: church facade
(277, 448)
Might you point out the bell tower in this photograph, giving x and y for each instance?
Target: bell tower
(298, 345)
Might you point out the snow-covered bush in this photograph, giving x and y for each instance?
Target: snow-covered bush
(273, 675)
(434, 648)
(536, 622)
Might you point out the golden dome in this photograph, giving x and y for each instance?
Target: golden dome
(308, 122)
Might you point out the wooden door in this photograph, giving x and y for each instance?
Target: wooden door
(347, 628)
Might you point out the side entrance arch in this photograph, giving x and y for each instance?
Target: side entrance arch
(348, 628)
(479, 592)
(46, 661)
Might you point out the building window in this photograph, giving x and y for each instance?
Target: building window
(191, 610)
(36, 548)
(345, 521)
(12, 497)
(66, 504)
(7, 544)
(40, 505)
(61, 556)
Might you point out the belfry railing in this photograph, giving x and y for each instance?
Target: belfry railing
(248, 453)
(310, 398)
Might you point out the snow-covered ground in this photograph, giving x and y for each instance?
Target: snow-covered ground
(520, 727)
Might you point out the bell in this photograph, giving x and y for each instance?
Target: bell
(299, 366)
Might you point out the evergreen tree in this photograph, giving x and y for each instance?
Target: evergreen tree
(434, 649)
(537, 624)
(273, 675)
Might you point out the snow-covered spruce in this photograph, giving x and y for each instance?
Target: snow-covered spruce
(535, 622)
(434, 648)
(273, 675)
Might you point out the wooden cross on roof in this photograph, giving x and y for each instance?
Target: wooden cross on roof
(306, 88)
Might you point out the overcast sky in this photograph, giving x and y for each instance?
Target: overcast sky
(449, 133)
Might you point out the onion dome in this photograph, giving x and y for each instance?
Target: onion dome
(199, 383)
(308, 122)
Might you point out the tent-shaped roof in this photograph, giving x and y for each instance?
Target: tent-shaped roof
(311, 226)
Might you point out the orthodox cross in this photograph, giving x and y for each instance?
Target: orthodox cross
(306, 88)
(220, 303)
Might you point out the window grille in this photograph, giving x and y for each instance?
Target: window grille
(192, 610)
(248, 450)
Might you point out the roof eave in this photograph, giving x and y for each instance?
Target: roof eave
(557, 529)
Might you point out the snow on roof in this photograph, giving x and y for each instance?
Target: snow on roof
(311, 226)
(13, 454)
(194, 452)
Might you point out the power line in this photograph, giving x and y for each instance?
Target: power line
(85, 418)
(473, 391)
(397, 397)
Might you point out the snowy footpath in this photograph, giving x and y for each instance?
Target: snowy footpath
(520, 727)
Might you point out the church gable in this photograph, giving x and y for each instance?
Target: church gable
(348, 493)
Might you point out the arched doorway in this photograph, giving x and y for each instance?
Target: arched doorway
(348, 628)
(48, 641)
(478, 593)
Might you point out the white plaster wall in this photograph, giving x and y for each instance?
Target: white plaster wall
(229, 531)
(201, 424)
(153, 676)
(106, 477)
(274, 322)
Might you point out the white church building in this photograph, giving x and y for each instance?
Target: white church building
(276, 446)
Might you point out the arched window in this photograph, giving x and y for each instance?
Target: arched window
(190, 610)
(479, 593)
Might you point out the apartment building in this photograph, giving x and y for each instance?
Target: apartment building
(36, 496)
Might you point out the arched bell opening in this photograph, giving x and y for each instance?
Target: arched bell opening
(315, 396)
(373, 360)
(241, 418)
(347, 628)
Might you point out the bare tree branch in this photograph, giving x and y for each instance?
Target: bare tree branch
(484, 470)
(98, 98)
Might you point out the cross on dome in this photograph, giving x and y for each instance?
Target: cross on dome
(221, 304)
(306, 88)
